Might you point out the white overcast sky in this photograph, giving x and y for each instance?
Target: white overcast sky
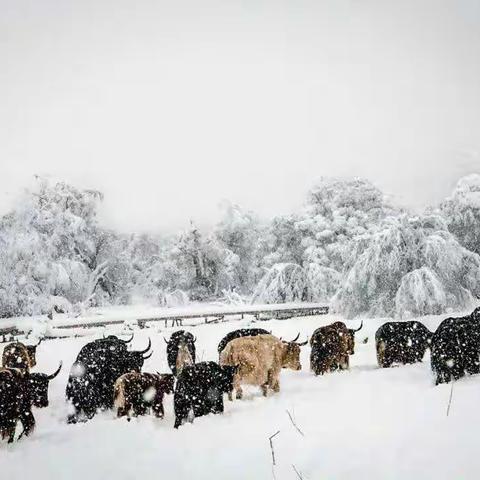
(169, 107)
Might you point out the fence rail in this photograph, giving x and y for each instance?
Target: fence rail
(208, 316)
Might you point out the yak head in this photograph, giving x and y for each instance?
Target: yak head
(181, 336)
(39, 387)
(134, 360)
(32, 353)
(351, 338)
(19, 355)
(180, 350)
(291, 354)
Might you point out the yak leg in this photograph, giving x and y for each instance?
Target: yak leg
(276, 386)
(217, 405)
(442, 377)
(121, 412)
(381, 354)
(202, 406)
(318, 367)
(332, 365)
(181, 404)
(28, 423)
(74, 417)
(126, 411)
(158, 410)
(264, 388)
(344, 363)
(273, 380)
(71, 419)
(239, 393)
(11, 434)
(9, 431)
(237, 388)
(90, 412)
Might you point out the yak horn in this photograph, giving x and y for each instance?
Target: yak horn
(39, 342)
(165, 340)
(302, 344)
(148, 348)
(295, 339)
(359, 328)
(129, 340)
(53, 375)
(194, 339)
(148, 356)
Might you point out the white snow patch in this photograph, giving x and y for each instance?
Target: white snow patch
(366, 423)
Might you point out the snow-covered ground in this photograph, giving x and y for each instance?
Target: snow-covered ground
(368, 423)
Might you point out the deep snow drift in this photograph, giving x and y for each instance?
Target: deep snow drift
(368, 423)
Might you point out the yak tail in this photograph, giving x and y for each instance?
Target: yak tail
(119, 394)
(184, 358)
(223, 357)
(380, 352)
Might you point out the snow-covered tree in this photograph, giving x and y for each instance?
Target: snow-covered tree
(239, 233)
(347, 245)
(206, 266)
(413, 266)
(322, 283)
(282, 242)
(338, 213)
(284, 282)
(421, 292)
(48, 250)
(462, 212)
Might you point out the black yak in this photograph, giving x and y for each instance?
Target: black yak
(401, 342)
(93, 375)
(200, 390)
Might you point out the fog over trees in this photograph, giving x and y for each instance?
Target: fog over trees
(348, 246)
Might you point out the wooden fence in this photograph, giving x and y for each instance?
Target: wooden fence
(187, 319)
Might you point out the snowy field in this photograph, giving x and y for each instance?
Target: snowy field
(368, 423)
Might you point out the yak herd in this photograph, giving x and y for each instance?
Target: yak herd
(107, 375)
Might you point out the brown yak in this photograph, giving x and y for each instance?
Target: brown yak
(18, 355)
(332, 346)
(135, 393)
(260, 360)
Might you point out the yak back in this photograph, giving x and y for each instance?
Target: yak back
(242, 332)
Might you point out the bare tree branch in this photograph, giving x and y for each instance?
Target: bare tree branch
(299, 475)
(294, 424)
(271, 445)
(450, 400)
